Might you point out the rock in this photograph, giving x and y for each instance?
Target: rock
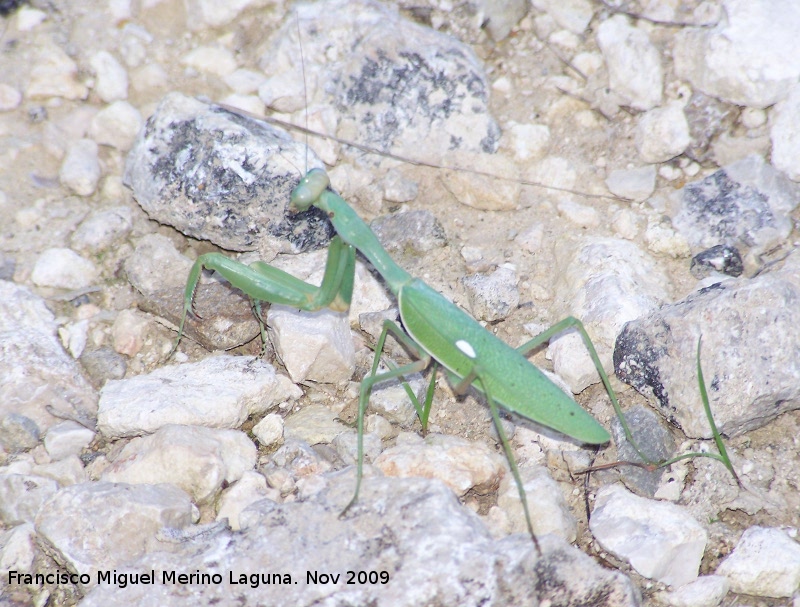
(659, 539)
(580, 215)
(23, 496)
(396, 188)
(785, 135)
(299, 459)
(745, 204)
(634, 64)
(721, 259)
(116, 125)
(765, 562)
(742, 59)
(244, 81)
(63, 269)
(18, 549)
(103, 229)
(705, 591)
(67, 438)
(662, 133)
(18, 433)
(80, 170)
(95, 527)
(36, 375)
(461, 464)
(10, 98)
(112, 78)
(74, 336)
(313, 346)
(157, 265)
(653, 440)
(203, 14)
(269, 431)
(546, 504)
(66, 471)
(129, 332)
(708, 118)
(473, 569)
(634, 184)
(249, 489)
(212, 60)
(411, 232)
(749, 329)
(313, 424)
(217, 392)
(232, 189)
(573, 15)
(103, 364)
(501, 17)
(530, 141)
(481, 191)
(346, 445)
(441, 108)
(198, 460)
(608, 282)
(54, 74)
(495, 296)
(663, 239)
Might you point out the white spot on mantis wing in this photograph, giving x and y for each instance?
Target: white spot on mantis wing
(466, 348)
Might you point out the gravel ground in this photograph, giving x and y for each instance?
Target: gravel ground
(642, 163)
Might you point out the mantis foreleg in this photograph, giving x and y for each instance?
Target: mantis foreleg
(262, 282)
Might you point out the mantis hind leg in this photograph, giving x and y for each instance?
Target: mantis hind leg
(512, 463)
(375, 378)
(573, 323)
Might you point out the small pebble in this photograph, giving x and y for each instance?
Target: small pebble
(67, 438)
(633, 184)
(63, 269)
(18, 433)
(112, 78)
(662, 133)
(495, 296)
(579, 214)
(129, 332)
(116, 125)
(211, 60)
(80, 170)
(269, 431)
(10, 98)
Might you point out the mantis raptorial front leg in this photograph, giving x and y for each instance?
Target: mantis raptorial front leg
(262, 282)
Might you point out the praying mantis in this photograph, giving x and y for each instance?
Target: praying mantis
(435, 329)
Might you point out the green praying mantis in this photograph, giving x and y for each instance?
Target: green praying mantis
(434, 329)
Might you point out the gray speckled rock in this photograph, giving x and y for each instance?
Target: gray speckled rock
(410, 90)
(224, 177)
(36, 374)
(94, 527)
(751, 332)
(428, 548)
